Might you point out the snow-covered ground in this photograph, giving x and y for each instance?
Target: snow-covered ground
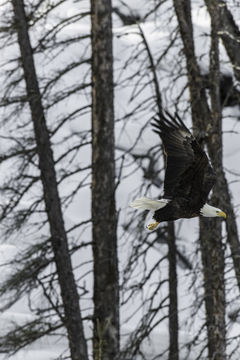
(126, 39)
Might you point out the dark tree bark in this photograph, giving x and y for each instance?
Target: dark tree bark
(173, 296)
(199, 107)
(70, 298)
(230, 35)
(213, 272)
(106, 289)
(214, 266)
(210, 229)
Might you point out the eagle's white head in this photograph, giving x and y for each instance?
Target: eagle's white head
(211, 211)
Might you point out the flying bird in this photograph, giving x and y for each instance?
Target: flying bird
(189, 176)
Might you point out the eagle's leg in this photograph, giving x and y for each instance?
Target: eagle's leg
(153, 226)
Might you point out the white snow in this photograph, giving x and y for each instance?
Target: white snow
(126, 39)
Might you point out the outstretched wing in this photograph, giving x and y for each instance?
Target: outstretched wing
(188, 171)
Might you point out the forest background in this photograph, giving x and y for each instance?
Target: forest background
(81, 278)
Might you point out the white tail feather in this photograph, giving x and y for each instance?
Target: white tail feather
(148, 204)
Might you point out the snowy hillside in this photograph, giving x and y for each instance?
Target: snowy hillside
(158, 30)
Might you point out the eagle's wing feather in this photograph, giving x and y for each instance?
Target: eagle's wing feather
(188, 169)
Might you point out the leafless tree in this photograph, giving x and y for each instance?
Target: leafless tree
(151, 82)
(206, 124)
(104, 217)
(72, 314)
(46, 261)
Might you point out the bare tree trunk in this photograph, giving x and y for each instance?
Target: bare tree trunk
(230, 35)
(213, 272)
(218, 251)
(70, 298)
(210, 229)
(173, 296)
(106, 288)
(215, 265)
(199, 107)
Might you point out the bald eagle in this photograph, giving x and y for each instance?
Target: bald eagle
(189, 177)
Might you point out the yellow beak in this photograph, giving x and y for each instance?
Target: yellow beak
(222, 214)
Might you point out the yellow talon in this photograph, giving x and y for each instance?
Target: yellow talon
(152, 226)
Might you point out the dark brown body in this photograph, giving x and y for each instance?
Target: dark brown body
(177, 209)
